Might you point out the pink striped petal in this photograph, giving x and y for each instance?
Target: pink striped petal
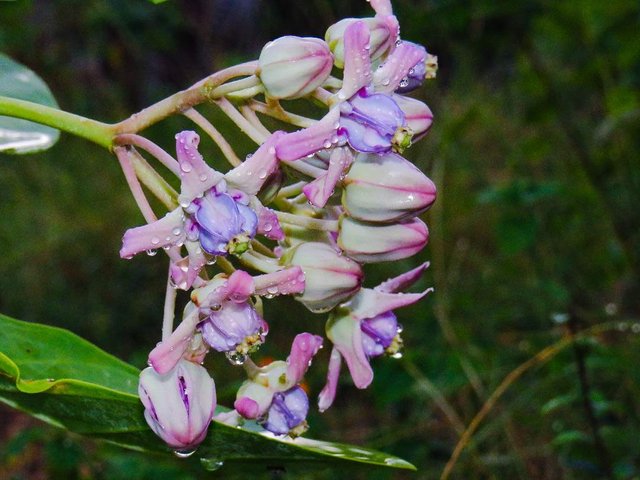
(368, 303)
(283, 282)
(346, 335)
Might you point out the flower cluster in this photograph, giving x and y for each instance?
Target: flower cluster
(236, 238)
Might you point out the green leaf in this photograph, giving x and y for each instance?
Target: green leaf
(66, 381)
(22, 136)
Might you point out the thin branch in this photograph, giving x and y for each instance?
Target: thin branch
(147, 145)
(252, 132)
(123, 155)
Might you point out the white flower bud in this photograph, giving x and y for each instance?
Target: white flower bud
(383, 37)
(292, 67)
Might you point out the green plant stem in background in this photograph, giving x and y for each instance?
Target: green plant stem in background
(97, 132)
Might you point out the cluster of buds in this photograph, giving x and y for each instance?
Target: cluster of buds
(236, 238)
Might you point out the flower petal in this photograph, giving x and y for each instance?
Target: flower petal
(297, 145)
(268, 224)
(167, 231)
(304, 347)
(168, 353)
(255, 170)
(346, 335)
(283, 282)
(357, 63)
(319, 190)
(197, 177)
(403, 281)
(397, 66)
(328, 393)
(382, 7)
(368, 303)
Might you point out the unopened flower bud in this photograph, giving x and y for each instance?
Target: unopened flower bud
(368, 243)
(417, 114)
(330, 278)
(292, 67)
(383, 31)
(179, 404)
(386, 188)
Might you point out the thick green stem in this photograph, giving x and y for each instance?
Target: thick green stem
(97, 132)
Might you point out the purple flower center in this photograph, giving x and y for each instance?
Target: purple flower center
(234, 327)
(378, 333)
(287, 411)
(370, 122)
(225, 225)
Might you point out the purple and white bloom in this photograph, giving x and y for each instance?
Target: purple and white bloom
(369, 243)
(386, 188)
(292, 67)
(366, 327)
(330, 278)
(211, 218)
(384, 29)
(272, 393)
(222, 313)
(179, 404)
(365, 114)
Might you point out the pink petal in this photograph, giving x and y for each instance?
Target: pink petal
(403, 281)
(304, 347)
(397, 65)
(283, 282)
(197, 177)
(319, 190)
(168, 353)
(256, 170)
(346, 335)
(185, 271)
(297, 145)
(161, 233)
(357, 63)
(382, 7)
(328, 393)
(268, 224)
(239, 286)
(368, 303)
(247, 407)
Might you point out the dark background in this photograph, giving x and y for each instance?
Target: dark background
(535, 234)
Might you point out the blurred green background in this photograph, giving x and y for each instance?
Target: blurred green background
(535, 235)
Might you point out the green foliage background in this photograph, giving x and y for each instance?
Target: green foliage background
(536, 233)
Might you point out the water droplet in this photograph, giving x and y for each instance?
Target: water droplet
(211, 261)
(186, 167)
(235, 358)
(155, 240)
(268, 227)
(327, 144)
(151, 252)
(272, 150)
(177, 231)
(184, 453)
(399, 329)
(397, 355)
(342, 96)
(203, 178)
(263, 175)
(386, 82)
(272, 290)
(211, 464)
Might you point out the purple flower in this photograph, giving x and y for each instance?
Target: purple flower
(211, 218)
(179, 404)
(240, 323)
(224, 223)
(365, 115)
(288, 412)
(234, 327)
(272, 394)
(366, 327)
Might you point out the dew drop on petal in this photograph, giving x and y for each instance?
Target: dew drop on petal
(155, 240)
(177, 231)
(151, 252)
(186, 167)
(203, 178)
